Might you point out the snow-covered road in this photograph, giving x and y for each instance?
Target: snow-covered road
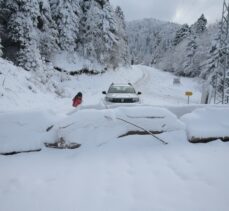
(129, 175)
(158, 88)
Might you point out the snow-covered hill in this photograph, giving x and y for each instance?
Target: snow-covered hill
(149, 39)
(115, 168)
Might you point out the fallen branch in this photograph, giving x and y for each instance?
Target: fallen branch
(130, 133)
(145, 117)
(67, 125)
(123, 120)
(49, 128)
(18, 152)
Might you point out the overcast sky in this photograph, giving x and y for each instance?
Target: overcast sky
(179, 11)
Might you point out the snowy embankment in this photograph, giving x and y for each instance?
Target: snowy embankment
(207, 124)
(115, 168)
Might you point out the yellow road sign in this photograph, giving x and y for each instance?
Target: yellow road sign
(188, 93)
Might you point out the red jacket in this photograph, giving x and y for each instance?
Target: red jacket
(76, 101)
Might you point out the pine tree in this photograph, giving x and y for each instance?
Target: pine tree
(211, 62)
(66, 14)
(90, 28)
(190, 68)
(98, 32)
(123, 48)
(21, 27)
(46, 30)
(181, 34)
(29, 57)
(200, 26)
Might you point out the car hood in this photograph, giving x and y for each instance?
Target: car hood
(122, 95)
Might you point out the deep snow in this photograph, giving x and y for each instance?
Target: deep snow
(109, 173)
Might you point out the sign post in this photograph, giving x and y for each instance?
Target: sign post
(189, 94)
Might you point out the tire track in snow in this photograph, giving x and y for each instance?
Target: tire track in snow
(144, 79)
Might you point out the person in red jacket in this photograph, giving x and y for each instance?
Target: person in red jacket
(77, 100)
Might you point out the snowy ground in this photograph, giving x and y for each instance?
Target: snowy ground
(109, 173)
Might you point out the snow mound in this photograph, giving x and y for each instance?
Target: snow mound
(89, 127)
(207, 123)
(95, 127)
(23, 131)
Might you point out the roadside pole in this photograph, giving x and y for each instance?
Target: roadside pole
(188, 94)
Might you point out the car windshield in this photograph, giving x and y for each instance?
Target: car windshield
(121, 89)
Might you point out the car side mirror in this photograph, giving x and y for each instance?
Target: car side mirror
(139, 93)
(104, 93)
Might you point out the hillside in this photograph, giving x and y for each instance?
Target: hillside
(185, 50)
(149, 39)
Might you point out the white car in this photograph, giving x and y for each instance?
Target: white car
(122, 93)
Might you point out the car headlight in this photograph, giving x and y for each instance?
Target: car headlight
(135, 99)
(108, 99)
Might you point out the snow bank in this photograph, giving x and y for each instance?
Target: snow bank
(23, 131)
(95, 127)
(23, 90)
(89, 127)
(207, 123)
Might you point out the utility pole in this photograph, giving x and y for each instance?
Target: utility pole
(221, 84)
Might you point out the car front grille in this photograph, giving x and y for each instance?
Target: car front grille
(122, 100)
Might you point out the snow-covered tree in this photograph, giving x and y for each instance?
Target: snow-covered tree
(99, 35)
(211, 61)
(32, 30)
(21, 27)
(190, 68)
(91, 27)
(46, 30)
(200, 25)
(182, 33)
(29, 56)
(66, 14)
(120, 54)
